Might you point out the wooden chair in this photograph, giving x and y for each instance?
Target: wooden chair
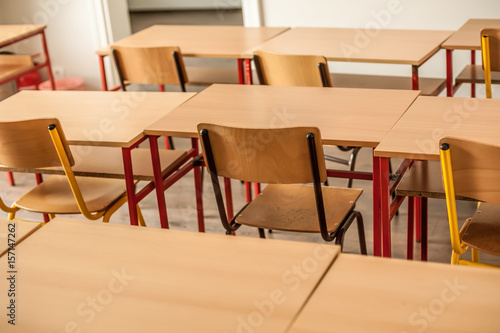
(472, 169)
(265, 156)
(490, 50)
(41, 143)
(303, 71)
(150, 65)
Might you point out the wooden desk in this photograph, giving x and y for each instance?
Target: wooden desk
(408, 47)
(466, 38)
(352, 117)
(416, 297)
(10, 34)
(93, 118)
(104, 277)
(201, 41)
(416, 136)
(20, 231)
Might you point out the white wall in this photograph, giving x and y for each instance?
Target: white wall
(73, 33)
(412, 14)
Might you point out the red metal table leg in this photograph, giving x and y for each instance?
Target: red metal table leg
(385, 207)
(10, 177)
(473, 62)
(104, 83)
(241, 72)
(414, 77)
(256, 187)
(377, 234)
(129, 184)
(248, 71)
(449, 73)
(409, 238)
(198, 187)
(158, 180)
(47, 61)
(248, 191)
(418, 219)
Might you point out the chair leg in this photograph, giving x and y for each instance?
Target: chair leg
(10, 176)
(140, 217)
(169, 143)
(475, 255)
(361, 233)
(352, 163)
(262, 234)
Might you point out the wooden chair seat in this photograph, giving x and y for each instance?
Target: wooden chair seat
(106, 162)
(54, 195)
(13, 64)
(475, 74)
(428, 86)
(483, 231)
(293, 208)
(424, 180)
(204, 76)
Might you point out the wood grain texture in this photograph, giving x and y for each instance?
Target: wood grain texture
(11, 65)
(23, 229)
(149, 65)
(351, 117)
(410, 47)
(475, 74)
(428, 86)
(10, 33)
(203, 41)
(185, 281)
(291, 70)
(260, 155)
(416, 135)
(483, 231)
(293, 208)
(468, 36)
(476, 169)
(494, 45)
(368, 294)
(94, 117)
(107, 162)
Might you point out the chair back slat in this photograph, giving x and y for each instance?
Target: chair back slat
(291, 70)
(28, 144)
(149, 65)
(272, 156)
(476, 169)
(494, 41)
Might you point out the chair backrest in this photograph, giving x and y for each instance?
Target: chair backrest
(493, 36)
(273, 156)
(292, 70)
(150, 65)
(28, 144)
(475, 167)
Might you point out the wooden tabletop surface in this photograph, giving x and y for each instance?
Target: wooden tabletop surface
(369, 294)
(101, 277)
(411, 47)
(201, 40)
(115, 119)
(468, 36)
(416, 135)
(14, 232)
(345, 116)
(10, 33)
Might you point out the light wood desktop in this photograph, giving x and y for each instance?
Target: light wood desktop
(466, 38)
(416, 136)
(14, 232)
(416, 297)
(91, 118)
(103, 277)
(201, 41)
(351, 117)
(15, 66)
(409, 47)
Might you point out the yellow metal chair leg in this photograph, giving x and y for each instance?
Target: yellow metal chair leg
(485, 45)
(474, 255)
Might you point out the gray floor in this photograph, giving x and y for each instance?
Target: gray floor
(180, 197)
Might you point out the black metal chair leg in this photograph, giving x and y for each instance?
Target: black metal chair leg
(361, 233)
(171, 142)
(262, 234)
